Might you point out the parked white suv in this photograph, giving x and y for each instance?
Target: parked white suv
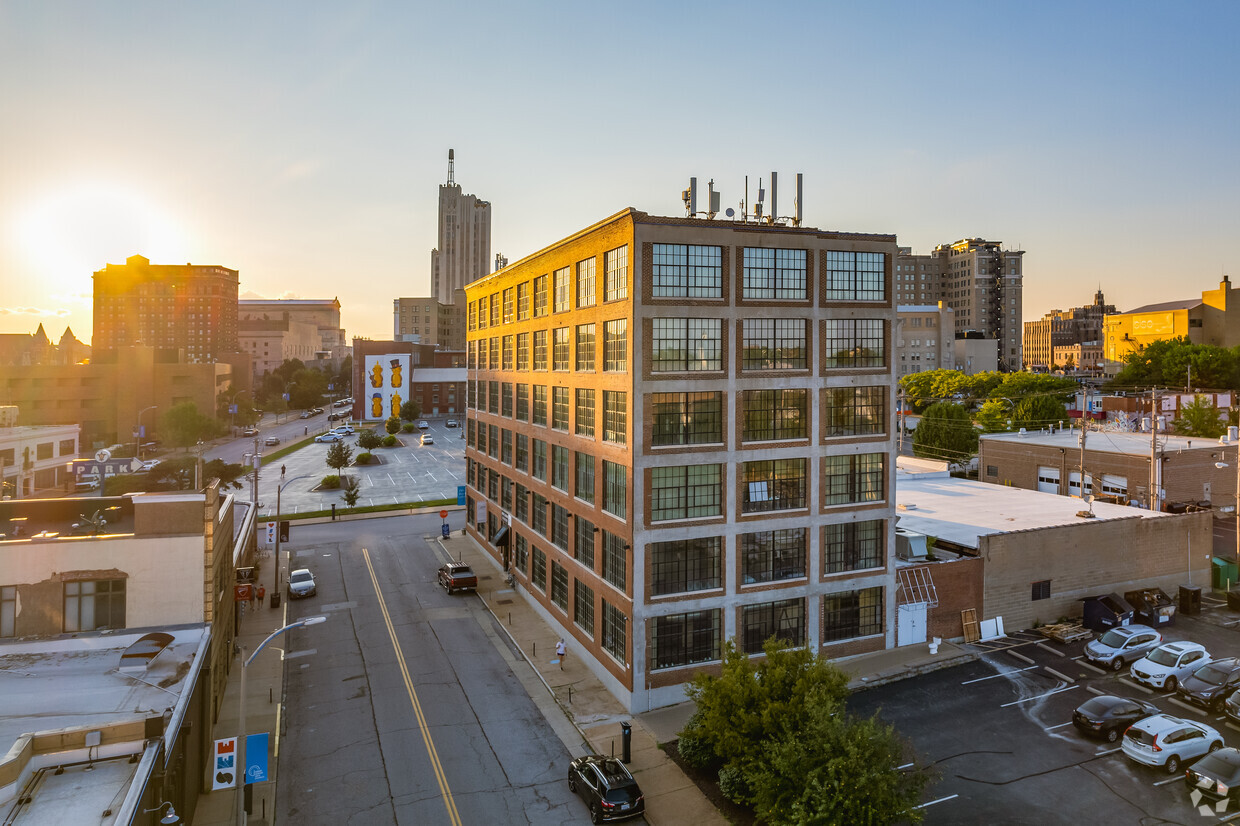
(1169, 742)
(1169, 663)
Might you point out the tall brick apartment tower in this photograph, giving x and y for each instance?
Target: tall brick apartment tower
(679, 431)
(464, 250)
(167, 306)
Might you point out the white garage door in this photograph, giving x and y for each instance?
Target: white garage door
(1048, 479)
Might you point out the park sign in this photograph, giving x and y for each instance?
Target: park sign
(107, 467)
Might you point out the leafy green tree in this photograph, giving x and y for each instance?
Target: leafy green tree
(392, 425)
(1167, 363)
(369, 439)
(945, 432)
(184, 425)
(339, 455)
(1037, 412)
(307, 388)
(1200, 417)
(1016, 386)
(410, 410)
(352, 490)
(995, 416)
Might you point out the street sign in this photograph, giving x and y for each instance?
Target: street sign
(460, 494)
(111, 467)
(443, 514)
(445, 530)
(225, 764)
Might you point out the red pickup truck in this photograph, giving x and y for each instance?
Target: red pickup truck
(457, 576)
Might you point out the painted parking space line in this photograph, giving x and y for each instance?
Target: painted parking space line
(1183, 704)
(1004, 674)
(1061, 676)
(1061, 725)
(1089, 665)
(940, 800)
(390, 479)
(1097, 691)
(1039, 696)
(1232, 725)
(1105, 752)
(898, 768)
(410, 475)
(1136, 685)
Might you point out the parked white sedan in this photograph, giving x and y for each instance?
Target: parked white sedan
(1169, 663)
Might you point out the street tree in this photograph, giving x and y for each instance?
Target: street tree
(183, 425)
(352, 490)
(1200, 417)
(945, 432)
(392, 425)
(410, 410)
(339, 455)
(1038, 412)
(995, 416)
(369, 439)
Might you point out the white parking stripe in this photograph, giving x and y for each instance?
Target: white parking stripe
(1136, 685)
(1105, 753)
(1183, 704)
(1038, 697)
(898, 768)
(1004, 674)
(940, 800)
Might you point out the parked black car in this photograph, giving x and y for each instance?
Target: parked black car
(1211, 684)
(1216, 776)
(1107, 716)
(608, 789)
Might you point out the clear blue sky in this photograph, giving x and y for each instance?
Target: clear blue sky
(302, 142)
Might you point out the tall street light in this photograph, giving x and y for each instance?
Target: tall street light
(241, 756)
(279, 490)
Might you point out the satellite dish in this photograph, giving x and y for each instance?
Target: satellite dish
(729, 212)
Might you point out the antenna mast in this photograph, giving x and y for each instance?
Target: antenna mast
(451, 155)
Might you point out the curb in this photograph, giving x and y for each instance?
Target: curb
(862, 683)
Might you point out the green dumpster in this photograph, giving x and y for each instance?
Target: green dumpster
(1223, 573)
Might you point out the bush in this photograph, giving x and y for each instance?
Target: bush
(392, 425)
(694, 750)
(390, 441)
(364, 458)
(733, 785)
(408, 427)
(331, 481)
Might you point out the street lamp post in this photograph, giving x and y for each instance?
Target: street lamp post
(137, 432)
(245, 664)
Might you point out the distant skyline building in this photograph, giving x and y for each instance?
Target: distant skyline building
(1211, 319)
(1075, 333)
(307, 329)
(464, 250)
(979, 280)
(424, 320)
(167, 306)
(925, 336)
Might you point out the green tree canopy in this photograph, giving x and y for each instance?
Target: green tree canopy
(339, 455)
(410, 411)
(1166, 363)
(184, 425)
(1200, 417)
(945, 432)
(392, 425)
(352, 490)
(1016, 386)
(369, 439)
(1038, 412)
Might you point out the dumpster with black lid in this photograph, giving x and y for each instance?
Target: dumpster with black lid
(1106, 611)
(1151, 607)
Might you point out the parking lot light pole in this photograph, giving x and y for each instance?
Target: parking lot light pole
(245, 664)
(279, 490)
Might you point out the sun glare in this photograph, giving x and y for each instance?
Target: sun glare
(70, 234)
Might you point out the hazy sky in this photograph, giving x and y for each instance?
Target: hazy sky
(302, 142)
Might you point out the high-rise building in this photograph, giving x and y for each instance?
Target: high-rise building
(423, 320)
(167, 306)
(925, 338)
(1079, 330)
(979, 280)
(679, 432)
(328, 343)
(464, 251)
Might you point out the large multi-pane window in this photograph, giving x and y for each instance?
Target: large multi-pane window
(857, 478)
(523, 453)
(616, 345)
(523, 351)
(509, 302)
(540, 296)
(583, 607)
(685, 565)
(774, 344)
(853, 546)
(540, 404)
(505, 400)
(773, 485)
(493, 397)
(687, 271)
(559, 348)
(616, 274)
(559, 408)
(540, 460)
(563, 283)
(523, 301)
(852, 614)
(784, 620)
(585, 412)
(538, 506)
(559, 586)
(771, 556)
(583, 544)
(615, 489)
(540, 349)
(495, 309)
(92, 605)
(687, 418)
(585, 348)
(774, 273)
(856, 276)
(538, 570)
(854, 411)
(493, 360)
(770, 415)
(471, 359)
(583, 489)
(586, 287)
(615, 560)
(473, 315)
(506, 447)
(615, 416)
(559, 467)
(520, 552)
(559, 527)
(523, 402)
(685, 639)
(615, 632)
(522, 503)
(686, 492)
(493, 443)
(854, 342)
(686, 344)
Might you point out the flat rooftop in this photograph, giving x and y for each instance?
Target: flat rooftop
(1104, 441)
(961, 511)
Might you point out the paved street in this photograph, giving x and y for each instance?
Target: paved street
(998, 735)
(408, 706)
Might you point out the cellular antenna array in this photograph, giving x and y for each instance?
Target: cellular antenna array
(689, 197)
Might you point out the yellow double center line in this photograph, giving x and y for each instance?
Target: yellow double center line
(448, 802)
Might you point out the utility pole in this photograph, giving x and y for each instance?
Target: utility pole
(1084, 429)
(1154, 449)
(900, 416)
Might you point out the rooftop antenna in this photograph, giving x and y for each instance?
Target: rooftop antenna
(451, 155)
(774, 197)
(745, 201)
(712, 197)
(757, 208)
(796, 205)
(689, 196)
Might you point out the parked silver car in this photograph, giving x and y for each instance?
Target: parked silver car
(1169, 742)
(1120, 646)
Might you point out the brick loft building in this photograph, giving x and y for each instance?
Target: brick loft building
(678, 432)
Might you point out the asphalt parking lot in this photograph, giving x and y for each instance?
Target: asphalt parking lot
(997, 734)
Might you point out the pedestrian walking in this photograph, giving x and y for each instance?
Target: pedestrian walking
(262, 594)
(561, 651)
